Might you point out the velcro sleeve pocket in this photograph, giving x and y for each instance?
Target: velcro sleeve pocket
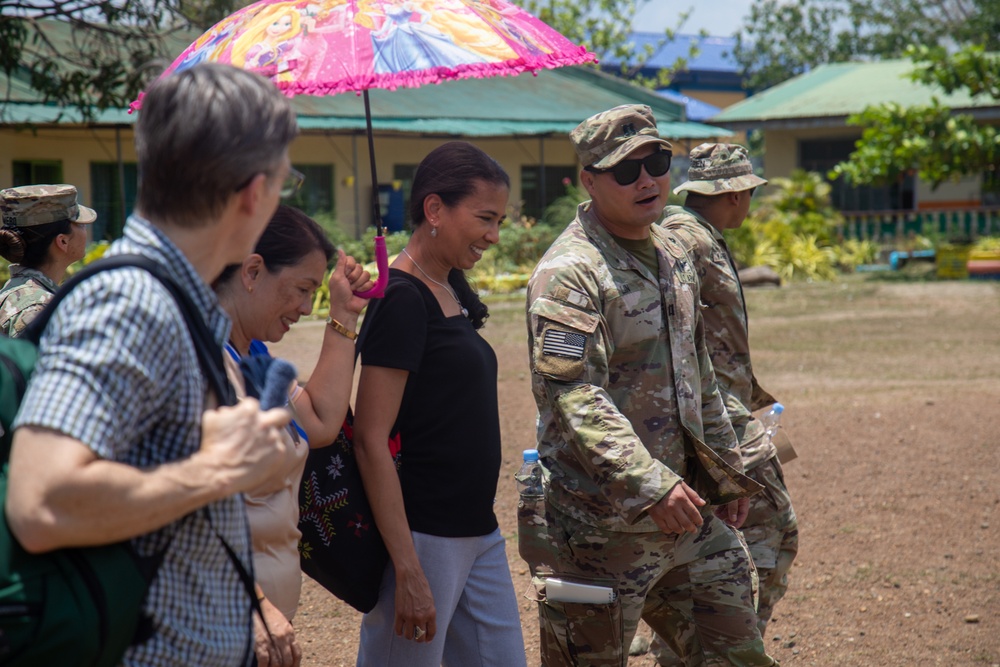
(564, 336)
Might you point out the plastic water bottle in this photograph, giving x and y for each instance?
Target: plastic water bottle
(529, 477)
(770, 421)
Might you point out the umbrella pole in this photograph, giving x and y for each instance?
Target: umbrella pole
(377, 208)
(381, 254)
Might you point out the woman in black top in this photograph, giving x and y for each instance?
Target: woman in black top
(447, 596)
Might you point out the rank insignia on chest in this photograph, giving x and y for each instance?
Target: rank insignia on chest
(564, 344)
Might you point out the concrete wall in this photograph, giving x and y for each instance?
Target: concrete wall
(782, 156)
(781, 147)
(718, 98)
(963, 193)
(76, 148)
(339, 150)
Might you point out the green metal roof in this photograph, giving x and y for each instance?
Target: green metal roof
(837, 90)
(48, 114)
(551, 102)
(16, 89)
(554, 101)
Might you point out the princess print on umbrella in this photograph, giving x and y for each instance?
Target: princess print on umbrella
(406, 41)
(329, 45)
(465, 27)
(268, 45)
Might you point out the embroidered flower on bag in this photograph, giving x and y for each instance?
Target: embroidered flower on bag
(335, 467)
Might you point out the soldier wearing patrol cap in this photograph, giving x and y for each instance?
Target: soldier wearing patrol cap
(720, 185)
(634, 442)
(42, 235)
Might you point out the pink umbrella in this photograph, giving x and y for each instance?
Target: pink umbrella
(325, 47)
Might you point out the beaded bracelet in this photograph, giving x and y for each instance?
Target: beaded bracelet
(341, 329)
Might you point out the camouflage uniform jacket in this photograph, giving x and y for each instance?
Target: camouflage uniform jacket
(723, 309)
(627, 399)
(22, 298)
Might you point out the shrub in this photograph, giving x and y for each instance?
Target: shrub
(562, 210)
(791, 230)
(987, 244)
(853, 253)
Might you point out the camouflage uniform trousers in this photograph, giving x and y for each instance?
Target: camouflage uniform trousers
(703, 579)
(772, 534)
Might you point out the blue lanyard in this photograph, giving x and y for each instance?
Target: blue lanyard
(258, 348)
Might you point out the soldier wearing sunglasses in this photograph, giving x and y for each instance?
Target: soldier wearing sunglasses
(635, 445)
(720, 185)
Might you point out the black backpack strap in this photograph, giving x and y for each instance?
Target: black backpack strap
(209, 352)
(247, 579)
(209, 358)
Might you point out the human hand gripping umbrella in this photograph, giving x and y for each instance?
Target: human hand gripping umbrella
(326, 47)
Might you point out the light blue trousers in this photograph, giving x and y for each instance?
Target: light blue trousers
(477, 615)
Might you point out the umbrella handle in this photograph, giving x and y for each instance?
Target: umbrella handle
(382, 262)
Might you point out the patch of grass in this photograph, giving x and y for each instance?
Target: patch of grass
(863, 572)
(909, 273)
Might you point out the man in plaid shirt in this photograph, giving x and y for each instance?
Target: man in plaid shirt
(118, 437)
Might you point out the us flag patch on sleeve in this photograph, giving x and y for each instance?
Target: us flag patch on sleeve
(564, 344)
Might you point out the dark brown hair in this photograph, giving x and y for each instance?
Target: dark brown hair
(288, 238)
(453, 171)
(29, 246)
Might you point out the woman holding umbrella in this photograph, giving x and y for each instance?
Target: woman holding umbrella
(447, 596)
(264, 296)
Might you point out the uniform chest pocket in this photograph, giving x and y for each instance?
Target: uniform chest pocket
(631, 295)
(564, 336)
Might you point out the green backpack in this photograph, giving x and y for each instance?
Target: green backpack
(77, 606)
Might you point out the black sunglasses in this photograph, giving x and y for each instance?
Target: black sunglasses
(627, 172)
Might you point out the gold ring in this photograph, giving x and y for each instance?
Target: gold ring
(418, 633)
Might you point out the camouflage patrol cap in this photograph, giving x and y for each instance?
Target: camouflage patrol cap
(31, 205)
(718, 168)
(604, 140)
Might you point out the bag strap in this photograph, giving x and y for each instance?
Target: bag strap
(209, 354)
(208, 350)
(247, 579)
(366, 325)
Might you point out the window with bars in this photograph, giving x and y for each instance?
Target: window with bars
(107, 197)
(404, 174)
(33, 172)
(316, 196)
(822, 155)
(990, 193)
(541, 186)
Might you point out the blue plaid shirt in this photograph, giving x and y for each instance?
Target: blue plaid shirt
(118, 371)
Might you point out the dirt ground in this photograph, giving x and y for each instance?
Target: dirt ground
(892, 395)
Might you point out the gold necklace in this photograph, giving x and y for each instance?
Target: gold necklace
(447, 288)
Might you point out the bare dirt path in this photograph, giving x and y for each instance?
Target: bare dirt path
(893, 402)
